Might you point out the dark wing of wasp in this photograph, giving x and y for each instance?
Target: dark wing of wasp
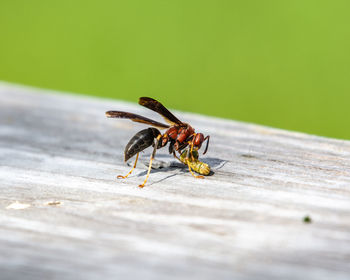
(135, 118)
(156, 106)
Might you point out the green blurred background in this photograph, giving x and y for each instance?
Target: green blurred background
(280, 63)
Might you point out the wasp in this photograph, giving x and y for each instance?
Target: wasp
(180, 136)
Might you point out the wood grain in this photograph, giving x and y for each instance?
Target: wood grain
(60, 156)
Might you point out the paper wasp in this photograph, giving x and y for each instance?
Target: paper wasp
(179, 135)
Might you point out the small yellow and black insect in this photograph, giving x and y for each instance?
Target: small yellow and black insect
(197, 166)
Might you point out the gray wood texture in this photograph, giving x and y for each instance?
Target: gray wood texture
(64, 215)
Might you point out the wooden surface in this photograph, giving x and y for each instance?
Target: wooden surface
(64, 215)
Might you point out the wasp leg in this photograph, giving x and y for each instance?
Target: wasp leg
(151, 160)
(175, 156)
(191, 145)
(188, 164)
(126, 176)
(192, 142)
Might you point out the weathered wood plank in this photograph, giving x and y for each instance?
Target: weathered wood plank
(244, 222)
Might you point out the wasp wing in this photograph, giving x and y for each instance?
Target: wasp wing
(156, 106)
(135, 118)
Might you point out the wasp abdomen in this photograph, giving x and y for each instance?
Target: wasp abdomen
(142, 140)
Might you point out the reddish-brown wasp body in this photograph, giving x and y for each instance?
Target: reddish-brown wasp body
(179, 135)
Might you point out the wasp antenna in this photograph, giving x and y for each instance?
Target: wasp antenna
(206, 147)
